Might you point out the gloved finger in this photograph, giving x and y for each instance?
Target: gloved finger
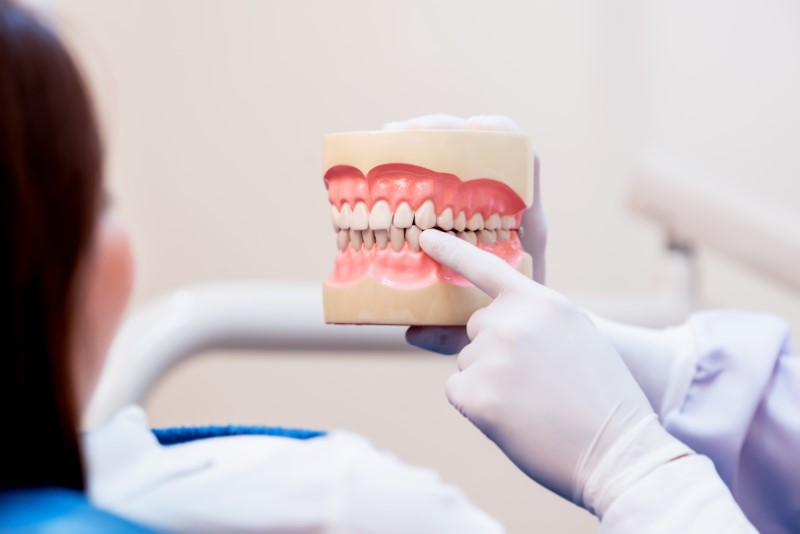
(442, 339)
(438, 121)
(492, 122)
(485, 343)
(476, 323)
(488, 272)
(456, 392)
(534, 227)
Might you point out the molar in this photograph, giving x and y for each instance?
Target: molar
(493, 223)
(503, 234)
(445, 220)
(469, 237)
(508, 222)
(487, 237)
(368, 237)
(344, 216)
(335, 218)
(403, 217)
(460, 223)
(355, 239)
(382, 238)
(475, 222)
(343, 239)
(425, 217)
(412, 236)
(397, 238)
(380, 218)
(360, 218)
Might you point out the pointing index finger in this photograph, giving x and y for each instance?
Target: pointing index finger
(488, 272)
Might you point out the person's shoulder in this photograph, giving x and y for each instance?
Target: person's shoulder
(339, 479)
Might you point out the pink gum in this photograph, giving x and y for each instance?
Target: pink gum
(407, 269)
(399, 182)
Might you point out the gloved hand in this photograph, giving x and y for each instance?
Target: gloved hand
(542, 383)
(534, 225)
(662, 361)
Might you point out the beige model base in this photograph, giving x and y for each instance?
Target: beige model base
(368, 302)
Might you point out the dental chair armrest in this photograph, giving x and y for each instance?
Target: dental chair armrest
(242, 316)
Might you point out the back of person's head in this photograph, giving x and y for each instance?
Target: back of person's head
(50, 194)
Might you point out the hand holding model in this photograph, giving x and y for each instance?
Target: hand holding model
(541, 382)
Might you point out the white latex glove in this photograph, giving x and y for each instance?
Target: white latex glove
(661, 360)
(534, 225)
(542, 383)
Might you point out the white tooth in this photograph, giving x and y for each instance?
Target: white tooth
(508, 222)
(475, 222)
(450, 232)
(360, 218)
(403, 216)
(335, 218)
(368, 237)
(503, 234)
(445, 219)
(487, 237)
(397, 237)
(355, 239)
(460, 223)
(381, 238)
(493, 222)
(344, 216)
(343, 239)
(412, 236)
(425, 217)
(469, 237)
(380, 218)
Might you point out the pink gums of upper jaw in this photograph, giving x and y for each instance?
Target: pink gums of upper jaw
(399, 182)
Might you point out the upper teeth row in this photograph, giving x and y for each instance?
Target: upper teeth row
(382, 218)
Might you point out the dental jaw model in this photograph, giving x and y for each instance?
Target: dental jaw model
(386, 187)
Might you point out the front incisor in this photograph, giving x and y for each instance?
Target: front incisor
(460, 222)
(380, 218)
(445, 219)
(403, 216)
(475, 222)
(359, 220)
(382, 238)
(425, 216)
(412, 236)
(397, 237)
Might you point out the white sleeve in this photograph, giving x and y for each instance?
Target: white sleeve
(685, 495)
(338, 483)
(739, 404)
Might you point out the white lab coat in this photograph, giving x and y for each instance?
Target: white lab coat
(734, 396)
(338, 483)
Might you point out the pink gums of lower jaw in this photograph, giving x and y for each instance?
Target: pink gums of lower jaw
(407, 269)
(398, 182)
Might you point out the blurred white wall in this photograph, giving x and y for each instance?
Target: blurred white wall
(214, 112)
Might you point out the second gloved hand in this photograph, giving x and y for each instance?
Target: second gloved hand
(541, 382)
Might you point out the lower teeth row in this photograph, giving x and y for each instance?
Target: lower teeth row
(397, 237)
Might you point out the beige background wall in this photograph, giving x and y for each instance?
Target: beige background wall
(214, 111)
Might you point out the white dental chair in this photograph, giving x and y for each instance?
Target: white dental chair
(288, 317)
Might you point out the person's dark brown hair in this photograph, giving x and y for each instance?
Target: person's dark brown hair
(50, 189)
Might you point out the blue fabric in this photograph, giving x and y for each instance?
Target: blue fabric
(57, 511)
(184, 434)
